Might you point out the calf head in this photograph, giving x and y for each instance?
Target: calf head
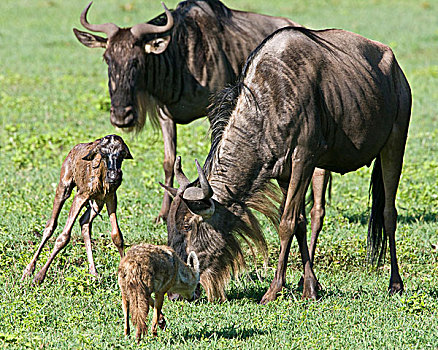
(127, 52)
(113, 151)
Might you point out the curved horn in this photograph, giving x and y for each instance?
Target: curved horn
(108, 28)
(182, 180)
(146, 28)
(196, 193)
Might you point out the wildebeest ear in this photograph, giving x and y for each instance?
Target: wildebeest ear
(91, 154)
(158, 45)
(172, 191)
(90, 40)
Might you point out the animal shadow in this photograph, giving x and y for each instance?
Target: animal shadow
(228, 332)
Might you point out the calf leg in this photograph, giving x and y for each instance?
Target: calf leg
(85, 222)
(64, 237)
(168, 127)
(292, 219)
(116, 234)
(63, 191)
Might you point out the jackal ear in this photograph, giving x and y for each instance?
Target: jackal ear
(172, 191)
(158, 45)
(193, 262)
(90, 40)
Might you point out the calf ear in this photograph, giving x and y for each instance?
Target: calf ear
(91, 154)
(90, 40)
(128, 153)
(158, 45)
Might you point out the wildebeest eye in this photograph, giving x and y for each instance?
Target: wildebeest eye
(187, 226)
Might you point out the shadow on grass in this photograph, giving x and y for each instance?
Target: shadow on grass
(228, 332)
(362, 218)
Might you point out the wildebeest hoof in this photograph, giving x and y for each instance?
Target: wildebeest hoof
(310, 289)
(268, 297)
(396, 288)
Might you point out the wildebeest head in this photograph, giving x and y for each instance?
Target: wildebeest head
(126, 54)
(198, 223)
(113, 151)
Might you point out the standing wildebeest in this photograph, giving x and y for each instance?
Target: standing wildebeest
(168, 67)
(95, 168)
(330, 99)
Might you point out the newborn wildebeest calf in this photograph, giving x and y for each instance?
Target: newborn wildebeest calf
(95, 168)
(148, 269)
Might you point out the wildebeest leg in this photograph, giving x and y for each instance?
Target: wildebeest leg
(85, 222)
(159, 299)
(168, 128)
(391, 162)
(320, 180)
(292, 220)
(116, 234)
(63, 191)
(64, 237)
(125, 307)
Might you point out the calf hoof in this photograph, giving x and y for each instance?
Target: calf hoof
(310, 289)
(396, 288)
(28, 271)
(39, 278)
(94, 273)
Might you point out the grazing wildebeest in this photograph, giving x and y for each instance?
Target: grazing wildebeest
(167, 68)
(330, 99)
(95, 168)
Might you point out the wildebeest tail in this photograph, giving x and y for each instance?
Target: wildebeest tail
(377, 237)
(137, 293)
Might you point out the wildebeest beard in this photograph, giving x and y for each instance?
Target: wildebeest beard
(217, 241)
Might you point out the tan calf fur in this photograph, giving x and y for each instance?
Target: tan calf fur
(95, 169)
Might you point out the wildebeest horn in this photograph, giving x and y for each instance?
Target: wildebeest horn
(182, 180)
(146, 28)
(196, 193)
(108, 28)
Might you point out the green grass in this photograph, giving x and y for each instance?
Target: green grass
(53, 95)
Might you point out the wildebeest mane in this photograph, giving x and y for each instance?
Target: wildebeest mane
(185, 26)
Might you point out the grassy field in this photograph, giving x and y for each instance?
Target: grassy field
(53, 95)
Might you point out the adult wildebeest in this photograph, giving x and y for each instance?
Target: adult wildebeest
(330, 99)
(168, 67)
